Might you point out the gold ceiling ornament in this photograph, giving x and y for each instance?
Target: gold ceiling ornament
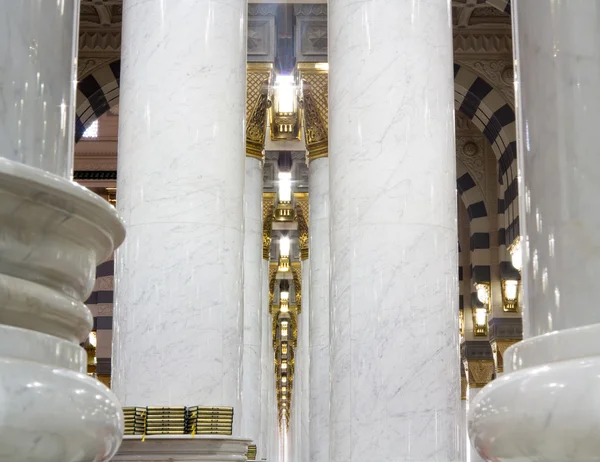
(268, 211)
(301, 200)
(315, 107)
(258, 79)
(499, 346)
(284, 111)
(273, 267)
(479, 372)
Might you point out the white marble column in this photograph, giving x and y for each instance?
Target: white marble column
(319, 312)
(471, 450)
(267, 378)
(303, 368)
(253, 249)
(394, 291)
(546, 406)
(178, 317)
(53, 233)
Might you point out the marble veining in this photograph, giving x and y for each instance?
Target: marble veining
(251, 376)
(178, 315)
(319, 313)
(37, 96)
(394, 395)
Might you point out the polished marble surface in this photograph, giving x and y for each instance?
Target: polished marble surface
(253, 316)
(38, 59)
(178, 314)
(319, 313)
(52, 234)
(394, 291)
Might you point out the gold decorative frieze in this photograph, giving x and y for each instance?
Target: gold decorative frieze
(315, 107)
(258, 79)
(499, 346)
(301, 200)
(268, 211)
(479, 372)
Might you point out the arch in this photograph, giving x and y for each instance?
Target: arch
(479, 224)
(473, 96)
(494, 116)
(502, 5)
(96, 94)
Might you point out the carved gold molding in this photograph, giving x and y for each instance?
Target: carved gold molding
(463, 387)
(268, 211)
(258, 79)
(499, 346)
(297, 277)
(315, 107)
(301, 200)
(479, 372)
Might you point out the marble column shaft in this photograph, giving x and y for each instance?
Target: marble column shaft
(178, 323)
(253, 248)
(394, 291)
(318, 421)
(267, 377)
(303, 369)
(546, 406)
(38, 63)
(53, 233)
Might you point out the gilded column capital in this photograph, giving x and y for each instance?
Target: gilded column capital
(268, 211)
(315, 107)
(499, 346)
(479, 372)
(301, 200)
(258, 79)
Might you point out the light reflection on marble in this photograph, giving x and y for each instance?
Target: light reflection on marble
(546, 406)
(37, 95)
(394, 327)
(251, 376)
(178, 311)
(267, 378)
(52, 234)
(319, 313)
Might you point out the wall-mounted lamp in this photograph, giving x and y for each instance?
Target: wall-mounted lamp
(510, 295)
(480, 325)
(285, 209)
(483, 293)
(284, 118)
(516, 255)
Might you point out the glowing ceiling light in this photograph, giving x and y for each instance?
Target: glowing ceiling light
(516, 254)
(480, 317)
(285, 186)
(285, 94)
(284, 295)
(284, 246)
(483, 292)
(93, 339)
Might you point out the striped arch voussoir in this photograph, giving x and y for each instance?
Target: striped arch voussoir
(96, 94)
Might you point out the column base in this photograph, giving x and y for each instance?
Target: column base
(53, 232)
(547, 404)
(176, 448)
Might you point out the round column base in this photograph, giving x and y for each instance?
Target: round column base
(176, 448)
(53, 233)
(547, 404)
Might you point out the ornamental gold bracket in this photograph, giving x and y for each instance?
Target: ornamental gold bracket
(315, 108)
(479, 372)
(268, 212)
(258, 80)
(301, 200)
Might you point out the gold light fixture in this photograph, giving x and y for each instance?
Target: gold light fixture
(483, 293)
(285, 210)
(284, 254)
(284, 114)
(284, 379)
(461, 322)
(480, 325)
(510, 295)
(516, 254)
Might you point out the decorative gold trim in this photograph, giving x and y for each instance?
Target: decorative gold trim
(258, 80)
(268, 211)
(479, 372)
(464, 383)
(297, 278)
(499, 346)
(315, 108)
(302, 211)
